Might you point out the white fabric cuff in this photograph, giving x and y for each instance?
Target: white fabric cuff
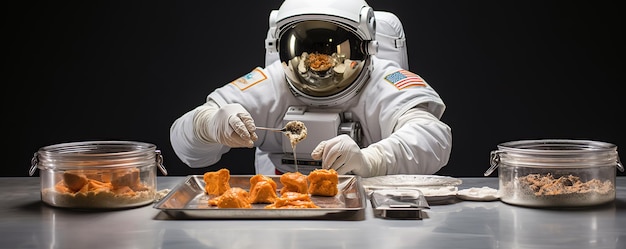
(201, 119)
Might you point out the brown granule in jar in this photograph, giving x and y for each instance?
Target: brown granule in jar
(548, 185)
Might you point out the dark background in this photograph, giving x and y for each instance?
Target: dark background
(125, 70)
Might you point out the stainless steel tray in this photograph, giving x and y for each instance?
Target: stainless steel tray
(187, 200)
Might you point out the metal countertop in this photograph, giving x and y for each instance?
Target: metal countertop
(26, 222)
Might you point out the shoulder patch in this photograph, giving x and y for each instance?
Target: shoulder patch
(250, 79)
(402, 79)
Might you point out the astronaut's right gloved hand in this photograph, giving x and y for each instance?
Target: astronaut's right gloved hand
(230, 125)
(344, 155)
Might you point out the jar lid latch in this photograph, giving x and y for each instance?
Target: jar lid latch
(494, 161)
(159, 161)
(33, 164)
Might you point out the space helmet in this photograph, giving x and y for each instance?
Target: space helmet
(325, 48)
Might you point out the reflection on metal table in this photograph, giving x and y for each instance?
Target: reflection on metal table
(29, 223)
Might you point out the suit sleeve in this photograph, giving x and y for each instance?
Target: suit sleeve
(419, 144)
(188, 146)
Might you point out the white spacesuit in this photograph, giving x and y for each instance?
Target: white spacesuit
(365, 115)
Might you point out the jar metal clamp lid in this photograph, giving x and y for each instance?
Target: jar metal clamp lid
(105, 154)
(548, 153)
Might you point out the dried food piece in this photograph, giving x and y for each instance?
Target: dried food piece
(262, 178)
(126, 178)
(323, 182)
(97, 186)
(262, 189)
(216, 182)
(74, 181)
(294, 182)
(292, 200)
(233, 198)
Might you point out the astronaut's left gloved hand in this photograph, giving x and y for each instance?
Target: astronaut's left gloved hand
(343, 154)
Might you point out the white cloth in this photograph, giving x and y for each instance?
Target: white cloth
(411, 142)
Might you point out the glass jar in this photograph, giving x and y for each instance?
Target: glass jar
(556, 172)
(98, 174)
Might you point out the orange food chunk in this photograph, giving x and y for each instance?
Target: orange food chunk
(126, 178)
(98, 186)
(217, 182)
(260, 178)
(323, 182)
(294, 182)
(74, 181)
(262, 189)
(233, 198)
(263, 192)
(292, 200)
(100, 175)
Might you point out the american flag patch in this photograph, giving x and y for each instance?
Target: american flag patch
(250, 79)
(403, 79)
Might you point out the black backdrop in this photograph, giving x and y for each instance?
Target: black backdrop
(124, 70)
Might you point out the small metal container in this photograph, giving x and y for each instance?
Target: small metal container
(556, 173)
(98, 174)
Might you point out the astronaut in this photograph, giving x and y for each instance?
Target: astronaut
(326, 64)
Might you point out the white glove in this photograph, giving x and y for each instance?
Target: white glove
(343, 154)
(230, 125)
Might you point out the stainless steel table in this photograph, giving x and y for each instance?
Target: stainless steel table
(25, 222)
